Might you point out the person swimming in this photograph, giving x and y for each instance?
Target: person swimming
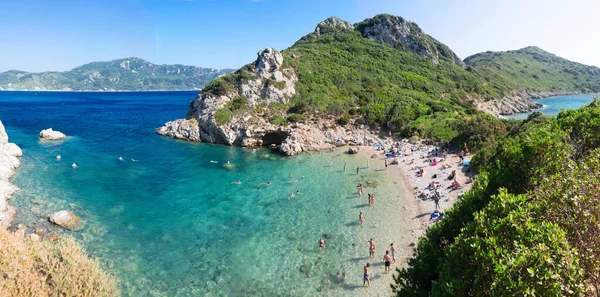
(291, 196)
(58, 157)
(239, 182)
(267, 183)
(134, 160)
(120, 158)
(74, 165)
(321, 243)
(212, 161)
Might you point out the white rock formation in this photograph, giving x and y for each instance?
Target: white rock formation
(64, 218)
(8, 163)
(50, 134)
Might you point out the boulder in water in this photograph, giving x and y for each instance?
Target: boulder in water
(64, 218)
(353, 150)
(49, 134)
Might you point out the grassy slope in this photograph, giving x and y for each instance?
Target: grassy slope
(534, 69)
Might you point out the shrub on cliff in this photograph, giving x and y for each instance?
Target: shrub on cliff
(223, 116)
(45, 268)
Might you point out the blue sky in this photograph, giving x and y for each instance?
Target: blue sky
(58, 35)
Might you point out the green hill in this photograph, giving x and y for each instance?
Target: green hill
(536, 70)
(130, 74)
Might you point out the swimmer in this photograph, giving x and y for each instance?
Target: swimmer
(239, 182)
(213, 161)
(289, 175)
(291, 196)
(134, 160)
(297, 192)
(120, 158)
(303, 176)
(361, 218)
(74, 165)
(267, 183)
(321, 243)
(228, 162)
(254, 150)
(58, 157)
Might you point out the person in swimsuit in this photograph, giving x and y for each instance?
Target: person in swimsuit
(387, 260)
(344, 166)
(436, 198)
(321, 243)
(366, 279)
(393, 250)
(291, 196)
(357, 170)
(361, 218)
(386, 164)
(371, 248)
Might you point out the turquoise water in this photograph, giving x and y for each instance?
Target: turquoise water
(553, 105)
(173, 223)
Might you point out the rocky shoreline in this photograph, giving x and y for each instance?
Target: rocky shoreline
(8, 163)
(269, 83)
(518, 102)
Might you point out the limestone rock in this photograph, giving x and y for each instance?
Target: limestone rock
(39, 231)
(64, 218)
(353, 150)
(516, 102)
(11, 149)
(8, 163)
(181, 129)
(3, 135)
(51, 237)
(333, 24)
(34, 237)
(49, 134)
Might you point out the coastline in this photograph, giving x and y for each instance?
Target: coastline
(8, 164)
(101, 91)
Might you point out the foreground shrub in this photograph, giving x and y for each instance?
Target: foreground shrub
(60, 268)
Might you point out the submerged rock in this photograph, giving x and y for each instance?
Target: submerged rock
(64, 218)
(49, 134)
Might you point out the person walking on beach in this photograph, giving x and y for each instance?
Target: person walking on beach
(386, 164)
(436, 199)
(321, 243)
(371, 243)
(344, 166)
(361, 218)
(357, 170)
(387, 260)
(393, 251)
(367, 163)
(366, 279)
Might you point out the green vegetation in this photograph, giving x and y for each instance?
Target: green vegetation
(529, 226)
(534, 69)
(223, 116)
(278, 120)
(131, 74)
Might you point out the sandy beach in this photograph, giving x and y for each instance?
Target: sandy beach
(403, 206)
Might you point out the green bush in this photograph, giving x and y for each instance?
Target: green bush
(238, 103)
(343, 121)
(223, 116)
(278, 120)
(295, 118)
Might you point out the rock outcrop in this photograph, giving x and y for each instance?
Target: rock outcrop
(49, 134)
(397, 32)
(65, 218)
(516, 102)
(267, 82)
(8, 163)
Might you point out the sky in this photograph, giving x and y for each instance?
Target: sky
(58, 35)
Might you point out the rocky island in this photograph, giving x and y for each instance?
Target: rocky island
(345, 83)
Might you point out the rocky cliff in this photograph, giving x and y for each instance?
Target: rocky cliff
(268, 83)
(8, 163)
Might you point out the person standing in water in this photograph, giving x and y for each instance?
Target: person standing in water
(366, 280)
(321, 243)
(387, 261)
(393, 250)
(344, 166)
(386, 164)
(361, 218)
(371, 243)
(367, 163)
(357, 170)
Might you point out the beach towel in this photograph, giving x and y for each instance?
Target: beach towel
(434, 163)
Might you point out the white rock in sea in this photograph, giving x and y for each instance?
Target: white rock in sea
(49, 134)
(64, 218)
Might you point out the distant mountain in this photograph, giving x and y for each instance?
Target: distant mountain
(533, 69)
(129, 74)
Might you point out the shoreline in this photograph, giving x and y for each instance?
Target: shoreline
(9, 162)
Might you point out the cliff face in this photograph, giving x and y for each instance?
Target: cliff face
(8, 163)
(398, 32)
(269, 83)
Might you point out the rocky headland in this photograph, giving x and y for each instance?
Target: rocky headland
(271, 83)
(517, 102)
(8, 163)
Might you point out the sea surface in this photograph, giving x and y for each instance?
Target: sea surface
(169, 222)
(553, 105)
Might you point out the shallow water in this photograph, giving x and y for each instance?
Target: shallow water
(553, 105)
(172, 223)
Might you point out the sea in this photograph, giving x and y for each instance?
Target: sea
(554, 105)
(172, 218)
